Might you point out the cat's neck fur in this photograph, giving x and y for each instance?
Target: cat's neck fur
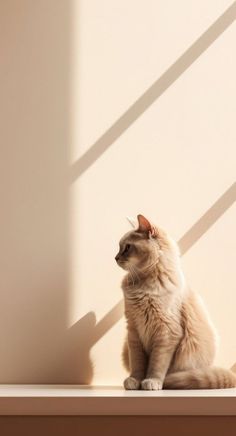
(161, 280)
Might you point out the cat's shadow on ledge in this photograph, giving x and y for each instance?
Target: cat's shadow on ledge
(85, 333)
(81, 338)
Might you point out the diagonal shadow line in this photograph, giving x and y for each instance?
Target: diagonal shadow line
(186, 242)
(208, 219)
(105, 324)
(152, 93)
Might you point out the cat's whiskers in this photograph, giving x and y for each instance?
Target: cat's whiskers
(151, 265)
(133, 274)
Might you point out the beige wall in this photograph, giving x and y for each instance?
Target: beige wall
(70, 70)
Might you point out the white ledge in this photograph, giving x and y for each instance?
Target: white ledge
(88, 400)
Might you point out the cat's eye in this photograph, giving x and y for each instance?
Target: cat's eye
(127, 248)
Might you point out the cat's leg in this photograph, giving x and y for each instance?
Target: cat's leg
(125, 355)
(137, 362)
(159, 362)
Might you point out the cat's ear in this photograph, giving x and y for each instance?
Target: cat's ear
(145, 226)
(132, 221)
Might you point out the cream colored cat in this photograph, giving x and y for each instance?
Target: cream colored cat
(171, 341)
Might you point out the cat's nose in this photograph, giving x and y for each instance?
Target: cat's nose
(117, 257)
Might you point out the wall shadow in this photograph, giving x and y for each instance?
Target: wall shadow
(35, 47)
(154, 92)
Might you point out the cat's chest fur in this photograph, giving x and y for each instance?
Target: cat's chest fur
(149, 314)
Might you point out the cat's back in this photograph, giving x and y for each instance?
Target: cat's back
(195, 317)
(198, 345)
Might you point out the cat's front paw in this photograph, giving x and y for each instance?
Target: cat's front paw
(131, 383)
(151, 384)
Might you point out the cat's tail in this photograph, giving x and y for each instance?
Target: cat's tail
(204, 378)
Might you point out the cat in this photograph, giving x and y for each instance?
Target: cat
(171, 341)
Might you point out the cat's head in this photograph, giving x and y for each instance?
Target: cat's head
(143, 247)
